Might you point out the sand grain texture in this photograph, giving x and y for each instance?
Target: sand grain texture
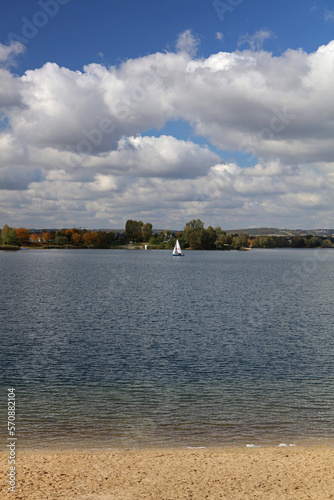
(238, 473)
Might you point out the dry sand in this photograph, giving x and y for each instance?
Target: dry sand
(238, 473)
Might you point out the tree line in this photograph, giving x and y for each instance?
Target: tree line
(307, 241)
(62, 238)
(194, 236)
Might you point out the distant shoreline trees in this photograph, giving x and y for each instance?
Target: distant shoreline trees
(194, 236)
(9, 236)
(63, 238)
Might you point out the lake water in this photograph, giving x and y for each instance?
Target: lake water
(116, 348)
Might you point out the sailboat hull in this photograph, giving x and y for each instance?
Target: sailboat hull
(178, 254)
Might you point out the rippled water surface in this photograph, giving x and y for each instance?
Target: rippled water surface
(134, 348)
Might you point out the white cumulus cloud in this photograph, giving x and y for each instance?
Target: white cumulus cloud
(187, 42)
(9, 52)
(89, 147)
(256, 41)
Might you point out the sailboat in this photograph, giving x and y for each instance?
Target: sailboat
(177, 252)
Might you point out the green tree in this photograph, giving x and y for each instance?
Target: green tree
(133, 230)
(63, 236)
(195, 238)
(314, 242)
(327, 244)
(195, 224)
(104, 239)
(200, 238)
(60, 239)
(220, 242)
(229, 239)
(111, 236)
(210, 238)
(257, 242)
(9, 236)
(192, 234)
(268, 242)
(147, 231)
(297, 242)
(280, 241)
(171, 243)
(156, 238)
(240, 241)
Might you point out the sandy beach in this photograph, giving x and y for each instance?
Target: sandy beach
(165, 474)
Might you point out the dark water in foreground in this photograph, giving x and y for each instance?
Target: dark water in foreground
(133, 348)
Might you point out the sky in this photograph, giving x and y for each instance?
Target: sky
(166, 111)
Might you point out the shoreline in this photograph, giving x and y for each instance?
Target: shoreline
(142, 247)
(103, 447)
(31, 444)
(159, 473)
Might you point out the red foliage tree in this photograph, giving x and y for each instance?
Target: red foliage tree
(23, 234)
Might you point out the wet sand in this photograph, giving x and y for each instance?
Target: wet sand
(165, 474)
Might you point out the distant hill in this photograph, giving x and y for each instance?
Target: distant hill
(258, 231)
(252, 231)
(274, 231)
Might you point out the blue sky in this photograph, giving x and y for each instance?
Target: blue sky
(223, 130)
(122, 29)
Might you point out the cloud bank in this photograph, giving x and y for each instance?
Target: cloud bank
(77, 147)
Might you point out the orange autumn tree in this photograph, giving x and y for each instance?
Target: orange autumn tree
(91, 238)
(23, 234)
(35, 237)
(76, 238)
(46, 236)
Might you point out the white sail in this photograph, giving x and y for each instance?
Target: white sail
(177, 249)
